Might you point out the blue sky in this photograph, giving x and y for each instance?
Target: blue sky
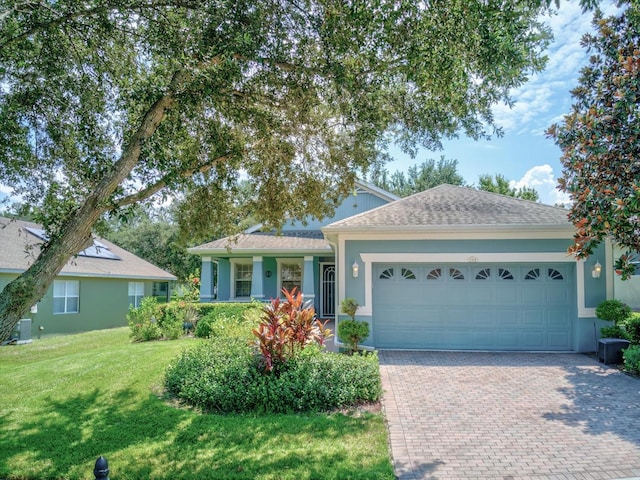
(524, 155)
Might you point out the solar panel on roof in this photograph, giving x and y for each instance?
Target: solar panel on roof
(97, 250)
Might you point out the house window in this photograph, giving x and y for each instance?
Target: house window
(456, 274)
(483, 274)
(386, 274)
(161, 290)
(434, 274)
(136, 292)
(408, 274)
(242, 279)
(532, 274)
(291, 276)
(66, 296)
(554, 274)
(505, 274)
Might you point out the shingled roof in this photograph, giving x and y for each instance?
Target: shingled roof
(20, 245)
(452, 206)
(298, 241)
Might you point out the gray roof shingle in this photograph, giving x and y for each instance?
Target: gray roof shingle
(19, 248)
(295, 241)
(448, 205)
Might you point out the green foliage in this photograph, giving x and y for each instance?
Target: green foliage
(421, 177)
(599, 137)
(499, 184)
(632, 326)
(143, 321)
(223, 375)
(613, 331)
(227, 313)
(631, 356)
(613, 311)
(155, 240)
(349, 306)
(178, 317)
(353, 332)
(189, 289)
(286, 328)
(114, 105)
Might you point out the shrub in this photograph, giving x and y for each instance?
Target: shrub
(219, 375)
(349, 306)
(143, 320)
(631, 357)
(613, 332)
(353, 332)
(211, 312)
(179, 317)
(287, 328)
(215, 325)
(632, 326)
(222, 375)
(614, 311)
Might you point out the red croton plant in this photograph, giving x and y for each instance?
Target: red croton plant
(286, 328)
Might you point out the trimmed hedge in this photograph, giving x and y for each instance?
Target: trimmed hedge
(211, 313)
(631, 357)
(223, 375)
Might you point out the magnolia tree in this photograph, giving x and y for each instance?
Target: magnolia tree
(600, 140)
(106, 104)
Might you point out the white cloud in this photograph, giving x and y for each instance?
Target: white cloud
(538, 101)
(543, 180)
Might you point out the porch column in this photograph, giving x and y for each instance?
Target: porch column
(308, 280)
(257, 290)
(206, 280)
(224, 279)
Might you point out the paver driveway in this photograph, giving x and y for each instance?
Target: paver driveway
(509, 416)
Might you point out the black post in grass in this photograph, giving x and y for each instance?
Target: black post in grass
(101, 470)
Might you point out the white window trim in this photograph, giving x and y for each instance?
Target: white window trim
(136, 294)
(234, 262)
(289, 261)
(66, 296)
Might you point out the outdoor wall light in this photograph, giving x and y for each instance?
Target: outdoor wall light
(267, 274)
(354, 269)
(597, 269)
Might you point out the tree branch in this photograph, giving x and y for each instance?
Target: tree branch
(164, 181)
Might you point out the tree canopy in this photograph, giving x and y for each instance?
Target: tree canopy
(421, 177)
(499, 184)
(113, 102)
(600, 140)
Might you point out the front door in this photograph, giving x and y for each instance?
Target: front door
(327, 290)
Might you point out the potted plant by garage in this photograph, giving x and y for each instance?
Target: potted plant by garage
(617, 313)
(352, 332)
(614, 338)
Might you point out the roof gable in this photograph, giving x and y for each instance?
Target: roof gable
(20, 245)
(453, 206)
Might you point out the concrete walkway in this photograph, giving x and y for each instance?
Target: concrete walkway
(509, 416)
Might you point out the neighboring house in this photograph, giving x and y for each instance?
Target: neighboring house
(449, 268)
(259, 264)
(94, 289)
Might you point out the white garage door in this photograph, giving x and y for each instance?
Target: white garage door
(478, 307)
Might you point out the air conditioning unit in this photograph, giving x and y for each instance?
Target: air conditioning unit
(22, 332)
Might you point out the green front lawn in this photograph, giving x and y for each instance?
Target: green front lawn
(67, 400)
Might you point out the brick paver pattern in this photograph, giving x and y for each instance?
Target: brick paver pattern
(515, 416)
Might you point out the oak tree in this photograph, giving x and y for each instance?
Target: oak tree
(107, 103)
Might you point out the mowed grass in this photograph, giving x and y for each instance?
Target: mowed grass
(67, 400)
